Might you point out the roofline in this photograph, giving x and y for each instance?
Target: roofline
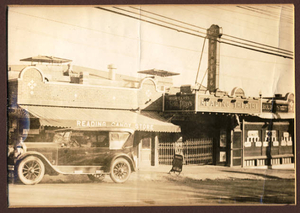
(97, 129)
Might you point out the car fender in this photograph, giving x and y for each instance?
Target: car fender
(120, 155)
(49, 169)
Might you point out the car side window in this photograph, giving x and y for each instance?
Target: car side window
(102, 140)
(62, 137)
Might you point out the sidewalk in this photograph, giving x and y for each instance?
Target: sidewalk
(210, 172)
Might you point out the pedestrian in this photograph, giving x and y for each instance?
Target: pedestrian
(20, 147)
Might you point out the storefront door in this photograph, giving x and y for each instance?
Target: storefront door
(145, 151)
(222, 155)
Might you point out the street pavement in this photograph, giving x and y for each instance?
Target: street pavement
(189, 173)
(210, 172)
(153, 186)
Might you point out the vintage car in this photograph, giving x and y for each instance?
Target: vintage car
(95, 152)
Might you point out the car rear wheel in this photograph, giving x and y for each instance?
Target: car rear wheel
(96, 177)
(120, 170)
(31, 170)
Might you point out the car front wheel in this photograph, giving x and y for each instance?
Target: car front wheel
(120, 170)
(31, 170)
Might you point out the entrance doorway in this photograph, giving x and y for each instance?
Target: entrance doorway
(222, 155)
(145, 151)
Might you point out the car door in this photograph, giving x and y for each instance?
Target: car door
(75, 151)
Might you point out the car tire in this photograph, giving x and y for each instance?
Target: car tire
(31, 170)
(120, 170)
(96, 177)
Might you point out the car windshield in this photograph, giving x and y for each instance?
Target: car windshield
(117, 139)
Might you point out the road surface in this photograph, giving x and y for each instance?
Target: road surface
(167, 192)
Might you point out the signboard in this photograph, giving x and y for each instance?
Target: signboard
(180, 102)
(136, 126)
(227, 105)
(210, 103)
(273, 107)
(253, 134)
(212, 79)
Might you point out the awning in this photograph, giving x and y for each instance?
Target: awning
(47, 59)
(276, 115)
(82, 117)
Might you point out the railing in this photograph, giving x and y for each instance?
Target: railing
(195, 151)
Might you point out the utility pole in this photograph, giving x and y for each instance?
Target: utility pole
(213, 35)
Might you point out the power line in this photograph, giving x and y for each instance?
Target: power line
(271, 13)
(253, 23)
(206, 29)
(255, 11)
(201, 32)
(168, 18)
(158, 20)
(171, 28)
(258, 43)
(276, 54)
(256, 50)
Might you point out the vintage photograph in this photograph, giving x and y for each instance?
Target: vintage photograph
(150, 105)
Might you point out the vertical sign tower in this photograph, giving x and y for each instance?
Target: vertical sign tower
(213, 35)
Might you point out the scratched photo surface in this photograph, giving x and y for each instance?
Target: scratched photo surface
(150, 105)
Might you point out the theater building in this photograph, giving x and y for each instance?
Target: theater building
(242, 131)
(51, 94)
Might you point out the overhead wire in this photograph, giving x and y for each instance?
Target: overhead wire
(287, 55)
(255, 11)
(158, 20)
(206, 29)
(247, 21)
(168, 18)
(268, 12)
(151, 22)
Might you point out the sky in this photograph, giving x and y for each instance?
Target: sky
(95, 38)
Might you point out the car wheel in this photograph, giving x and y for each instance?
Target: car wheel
(120, 170)
(96, 177)
(31, 170)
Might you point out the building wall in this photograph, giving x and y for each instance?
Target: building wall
(34, 90)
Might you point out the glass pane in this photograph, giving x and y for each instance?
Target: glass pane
(223, 138)
(222, 156)
(117, 139)
(61, 137)
(146, 142)
(102, 140)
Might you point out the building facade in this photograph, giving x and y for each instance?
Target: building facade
(206, 127)
(43, 99)
(243, 131)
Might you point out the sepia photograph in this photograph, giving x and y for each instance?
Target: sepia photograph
(151, 105)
